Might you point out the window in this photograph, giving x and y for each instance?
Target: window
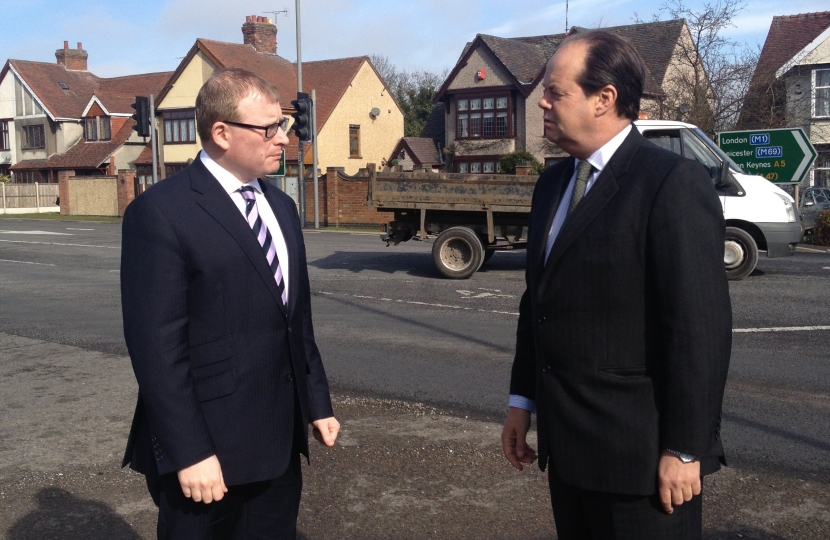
(32, 177)
(482, 117)
(97, 128)
(32, 137)
(171, 168)
(821, 170)
(821, 92)
(179, 126)
(478, 164)
(4, 135)
(354, 141)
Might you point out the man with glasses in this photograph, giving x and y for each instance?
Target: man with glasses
(217, 320)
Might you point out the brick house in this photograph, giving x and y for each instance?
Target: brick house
(791, 85)
(490, 98)
(60, 116)
(358, 121)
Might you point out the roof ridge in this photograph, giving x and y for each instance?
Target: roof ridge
(803, 15)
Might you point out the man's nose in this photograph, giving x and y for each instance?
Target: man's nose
(281, 138)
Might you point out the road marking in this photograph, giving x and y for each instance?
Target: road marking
(36, 232)
(27, 262)
(471, 294)
(781, 329)
(59, 244)
(76, 229)
(466, 308)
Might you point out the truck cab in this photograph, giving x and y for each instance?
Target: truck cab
(759, 215)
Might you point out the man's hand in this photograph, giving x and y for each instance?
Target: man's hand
(326, 430)
(678, 481)
(514, 438)
(203, 481)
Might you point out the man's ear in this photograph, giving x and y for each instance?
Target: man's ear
(606, 100)
(220, 135)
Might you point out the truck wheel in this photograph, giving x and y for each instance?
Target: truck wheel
(740, 255)
(457, 253)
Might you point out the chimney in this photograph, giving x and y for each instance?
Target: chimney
(261, 33)
(73, 59)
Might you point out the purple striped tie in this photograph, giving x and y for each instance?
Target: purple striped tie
(263, 235)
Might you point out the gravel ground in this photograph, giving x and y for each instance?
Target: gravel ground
(399, 471)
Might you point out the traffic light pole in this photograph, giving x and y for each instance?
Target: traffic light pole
(314, 153)
(300, 181)
(153, 139)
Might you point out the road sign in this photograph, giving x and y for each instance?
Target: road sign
(281, 170)
(782, 156)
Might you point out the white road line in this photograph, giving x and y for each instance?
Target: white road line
(76, 229)
(781, 329)
(465, 308)
(27, 262)
(59, 244)
(37, 232)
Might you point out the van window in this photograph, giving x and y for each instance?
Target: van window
(688, 146)
(668, 139)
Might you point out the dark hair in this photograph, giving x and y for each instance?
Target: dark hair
(610, 60)
(219, 97)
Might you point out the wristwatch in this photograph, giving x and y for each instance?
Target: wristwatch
(685, 458)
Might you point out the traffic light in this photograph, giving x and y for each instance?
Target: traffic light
(302, 117)
(141, 116)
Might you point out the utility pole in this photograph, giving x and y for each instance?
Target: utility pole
(153, 139)
(314, 153)
(300, 180)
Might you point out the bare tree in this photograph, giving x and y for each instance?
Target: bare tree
(713, 73)
(413, 90)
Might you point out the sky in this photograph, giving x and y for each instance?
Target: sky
(124, 37)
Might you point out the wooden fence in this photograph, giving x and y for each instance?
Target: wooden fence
(28, 198)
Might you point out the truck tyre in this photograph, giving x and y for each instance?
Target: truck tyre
(457, 253)
(740, 253)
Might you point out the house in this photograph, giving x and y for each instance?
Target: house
(358, 121)
(791, 85)
(417, 153)
(490, 98)
(60, 116)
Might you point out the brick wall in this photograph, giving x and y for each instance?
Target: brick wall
(126, 190)
(63, 190)
(342, 201)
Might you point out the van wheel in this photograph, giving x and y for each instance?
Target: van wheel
(740, 254)
(457, 253)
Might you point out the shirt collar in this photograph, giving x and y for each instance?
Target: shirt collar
(229, 182)
(601, 157)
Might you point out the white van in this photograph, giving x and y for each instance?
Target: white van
(759, 215)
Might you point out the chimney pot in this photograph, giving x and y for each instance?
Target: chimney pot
(80, 47)
(248, 18)
(65, 44)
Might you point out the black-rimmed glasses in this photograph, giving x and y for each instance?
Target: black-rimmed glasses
(270, 131)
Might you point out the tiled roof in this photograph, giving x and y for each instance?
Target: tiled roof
(83, 155)
(525, 57)
(270, 67)
(145, 157)
(44, 78)
(788, 34)
(422, 149)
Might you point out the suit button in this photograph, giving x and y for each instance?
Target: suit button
(289, 329)
(542, 319)
(289, 378)
(546, 369)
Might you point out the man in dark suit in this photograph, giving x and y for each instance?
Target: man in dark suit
(624, 332)
(217, 320)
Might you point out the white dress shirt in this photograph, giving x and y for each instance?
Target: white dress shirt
(231, 185)
(598, 160)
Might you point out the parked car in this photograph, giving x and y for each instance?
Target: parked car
(813, 201)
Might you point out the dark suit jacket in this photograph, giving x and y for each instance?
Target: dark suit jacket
(624, 335)
(222, 366)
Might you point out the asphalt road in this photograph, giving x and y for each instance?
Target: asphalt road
(389, 326)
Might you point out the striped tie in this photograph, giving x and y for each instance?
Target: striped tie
(583, 171)
(263, 235)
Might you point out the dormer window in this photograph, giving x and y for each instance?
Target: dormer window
(64, 85)
(97, 128)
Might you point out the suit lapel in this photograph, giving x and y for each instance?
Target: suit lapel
(601, 193)
(291, 233)
(550, 201)
(216, 202)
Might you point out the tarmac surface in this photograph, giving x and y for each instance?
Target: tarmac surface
(419, 367)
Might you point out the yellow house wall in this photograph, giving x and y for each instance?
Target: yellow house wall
(183, 96)
(94, 196)
(819, 55)
(378, 137)
(7, 110)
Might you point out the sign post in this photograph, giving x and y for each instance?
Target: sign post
(782, 156)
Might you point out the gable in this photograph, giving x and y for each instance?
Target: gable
(480, 58)
(183, 87)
